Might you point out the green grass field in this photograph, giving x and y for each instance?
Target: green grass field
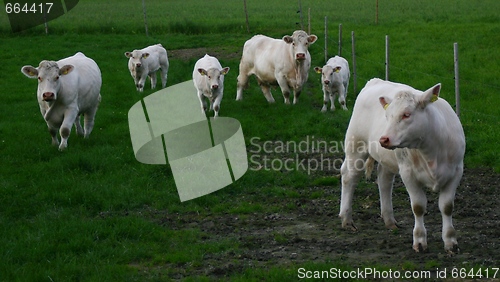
(93, 213)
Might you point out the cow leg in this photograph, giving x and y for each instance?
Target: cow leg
(385, 180)
(88, 122)
(164, 76)
(242, 83)
(284, 88)
(296, 94)
(332, 101)
(325, 100)
(352, 169)
(446, 203)
(343, 102)
(342, 98)
(65, 130)
(78, 126)
(216, 105)
(266, 89)
(142, 81)
(153, 77)
(418, 201)
(53, 134)
(202, 102)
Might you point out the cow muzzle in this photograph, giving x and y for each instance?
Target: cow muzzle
(48, 96)
(138, 65)
(215, 87)
(386, 142)
(326, 82)
(300, 56)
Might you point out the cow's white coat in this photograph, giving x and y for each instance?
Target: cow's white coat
(334, 80)
(67, 89)
(418, 136)
(208, 78)
(285, 62)
(146, 62)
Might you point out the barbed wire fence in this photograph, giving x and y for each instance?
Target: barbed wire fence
(334, 43)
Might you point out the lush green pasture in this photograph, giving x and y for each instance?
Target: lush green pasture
(93, 213)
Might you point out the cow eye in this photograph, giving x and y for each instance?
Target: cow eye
(406, 115)
(57, 77)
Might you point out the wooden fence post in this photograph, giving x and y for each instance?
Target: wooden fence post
(354, 72)
(387, 57)
(457, 80)
(246, 15)
(309, 21)
(326, 39)
(145, 22)
(340, 40)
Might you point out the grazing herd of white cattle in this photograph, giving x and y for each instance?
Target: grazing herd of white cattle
(406, 131)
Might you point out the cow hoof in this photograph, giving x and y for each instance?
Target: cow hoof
(451, 250)
(419, 248)
(392, 226)
(350, 226)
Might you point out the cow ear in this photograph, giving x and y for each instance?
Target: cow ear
(384, 101)
(128, 54)
(145, 55)
(202, 71)
(318, 69)
(288, 39)
(66, 69)
(29, 71)
(312, 38)
(430, 95)
(224, 71)
(337, 69)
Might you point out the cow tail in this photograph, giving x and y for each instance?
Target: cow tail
(369, 163)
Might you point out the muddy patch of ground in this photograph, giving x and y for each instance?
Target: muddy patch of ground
(312, 232)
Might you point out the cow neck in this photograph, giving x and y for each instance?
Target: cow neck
(433, 141)
(298, 71)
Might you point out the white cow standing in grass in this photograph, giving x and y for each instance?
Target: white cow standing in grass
(334, 80)
(67, 89)
(285, 62)
(415, 134)
(146, 62)
(208, 78)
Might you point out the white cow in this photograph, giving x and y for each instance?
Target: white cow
(146, 62)
(410, 132)
(67, 89)
(335, 80)
(285, 62)
(208, 78)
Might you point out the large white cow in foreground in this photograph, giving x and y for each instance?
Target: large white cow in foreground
(334, 80)
(285, 62)
(146, 62)
(208, 78)
(67, 89)
(410, 132)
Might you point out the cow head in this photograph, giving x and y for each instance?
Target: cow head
(407, 118)
(136, 57)
(215, 77)
(47, 73)
(327, 73)
(300, 42)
